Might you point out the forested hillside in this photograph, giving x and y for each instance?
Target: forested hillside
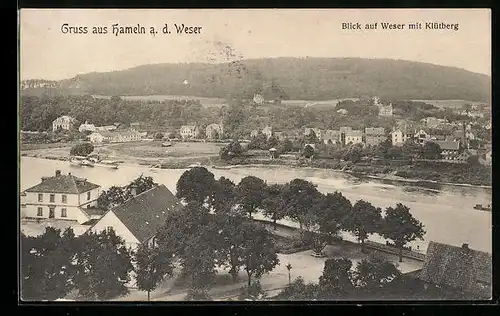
(291, 78)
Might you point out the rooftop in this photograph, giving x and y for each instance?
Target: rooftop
(63, 184)
(144, 213)
(456, 267)
(448, 145)
(376, 131)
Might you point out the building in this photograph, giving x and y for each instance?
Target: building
(432, 121)
(385, 110)
(449, 149)
(458, 269)
(189, 131)
(137, 219)
(258, 99)
(86, 127)
(268, 131)
(115, 137)
(317, 132)
(63, 197)
(422, 136)
(214, 131)
(281, 136)
(354, 137)
(331, 136)
(400, 136)
(374, 135)
(64, 122)
(254, 133)
(342, 111)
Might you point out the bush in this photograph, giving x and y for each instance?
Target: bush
(253, 292)
(83, 149)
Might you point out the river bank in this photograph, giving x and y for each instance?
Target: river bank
(384, 172)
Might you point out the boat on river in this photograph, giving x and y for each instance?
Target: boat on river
(197, 164)
(111, 164)
(155, 168)
(86, 163)
(166, 144)
(480, 207)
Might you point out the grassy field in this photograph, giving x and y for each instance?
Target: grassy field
(155, 150)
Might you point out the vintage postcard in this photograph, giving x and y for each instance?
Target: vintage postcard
(255, 155)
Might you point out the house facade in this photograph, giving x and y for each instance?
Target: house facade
(385, 110)
(189, 131)
(422, 136)
(374, 135)
(331, 136)
(115, 137)
(214, 131)
(400, 136)
(268, 131)
(354, 137)
(63, 197)
(64, 122)
(449, 149)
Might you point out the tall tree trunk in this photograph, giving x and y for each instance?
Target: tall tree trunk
(401, 254)
(149, 296)
(362, 245)
(234, 275)
(249, 274)
(289, 278)
(275, 224)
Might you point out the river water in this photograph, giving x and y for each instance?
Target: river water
(445, 210)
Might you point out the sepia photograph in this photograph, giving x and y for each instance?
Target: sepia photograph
(254, 155)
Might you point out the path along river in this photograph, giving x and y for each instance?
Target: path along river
(446, 210)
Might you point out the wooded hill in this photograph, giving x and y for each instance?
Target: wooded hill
(289, 78)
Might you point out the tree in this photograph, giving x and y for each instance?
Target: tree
(308, 151)
(231, 150)
(401, 227)
(104, 265)
(233, 230)
(158, 136)
(375, 273)
(298, 290)
(363, 220)
(112, 197)
(473, 160)
(411, 149)
(250, 193)
(353, 153)
(258, 252)
(272, 142)
(151, 267)
(252, 292)
(142, 184)
(383, 148)
(286, 146)
(332, 211)
(312, 138)
(259, 142)
(473, 144)
(272, 204)
(196, 185)
(431, 150)
(83, 149)
(336, 280)
(47, 268)
(224, 197)
(299, 197)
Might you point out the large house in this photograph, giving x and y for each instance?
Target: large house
(354, 137)
(449, 149)
(374, 135)
(64, 122)
(189, 131)
(63, 197)
(385, 110)
(214, 131)
(422, 137)
(400, 136)
(115, 137)
(137, 219)
(459, 269)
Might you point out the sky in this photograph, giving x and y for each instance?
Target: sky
(226, 35)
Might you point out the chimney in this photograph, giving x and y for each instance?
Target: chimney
(58, 173)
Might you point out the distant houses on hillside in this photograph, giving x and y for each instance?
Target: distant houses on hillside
(64, 122)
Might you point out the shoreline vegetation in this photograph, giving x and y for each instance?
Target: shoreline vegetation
(375, 172)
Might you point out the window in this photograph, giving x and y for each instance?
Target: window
(40, 197)
(52, 198)
(39, 212)
(64, 198)
(63, 212)
(88, 196)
